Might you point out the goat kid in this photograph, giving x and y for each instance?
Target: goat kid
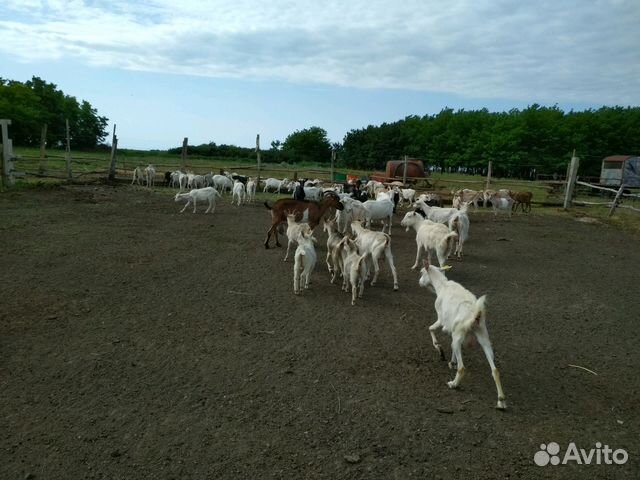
(305, 261)
(334, 237)
(294, 229)
(354, 268)
(375, 244)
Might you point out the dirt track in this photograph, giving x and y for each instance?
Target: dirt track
(139, 343)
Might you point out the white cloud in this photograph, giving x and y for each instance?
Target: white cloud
(553, 51)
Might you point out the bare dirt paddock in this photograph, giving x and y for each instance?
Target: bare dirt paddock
(137, 343)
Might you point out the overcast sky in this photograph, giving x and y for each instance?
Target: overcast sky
(225, 70)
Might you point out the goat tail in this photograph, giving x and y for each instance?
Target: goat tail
(479, 314)
(450, 240)
(266, 204)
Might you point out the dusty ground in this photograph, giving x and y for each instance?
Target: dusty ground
(142, 344)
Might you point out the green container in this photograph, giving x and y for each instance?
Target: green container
(339, 177)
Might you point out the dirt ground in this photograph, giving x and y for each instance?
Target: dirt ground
(138, 343)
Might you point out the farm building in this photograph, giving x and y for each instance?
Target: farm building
(621, 169)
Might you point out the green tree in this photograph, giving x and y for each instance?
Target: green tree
(35, 102)
(309, 145)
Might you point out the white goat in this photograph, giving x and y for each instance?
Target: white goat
(437, 214)
(313, 193)
(502, 204)
(274, 183)
(379, 209)
(305, 261)
(461, 315)
(430, 236)
(353, 210)
(138, 176)
(183, 179)
(375, 244)
(466, 195)
(408, 194)
(333, 254)
(175, 178)
(199, 195)
(150, 175)
(222, 183)
(238, 191)
(198, 181)
(251, 190)
(487, 194)
(294, 229)
(354, 268)
(460, 224)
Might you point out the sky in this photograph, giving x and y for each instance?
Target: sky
(225, 70)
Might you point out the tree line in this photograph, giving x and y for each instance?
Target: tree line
(519, 143)
(35, 103)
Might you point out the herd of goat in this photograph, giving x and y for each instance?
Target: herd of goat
(354, 250)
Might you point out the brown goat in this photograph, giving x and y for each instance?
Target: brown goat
(521, 198)
(307, 212)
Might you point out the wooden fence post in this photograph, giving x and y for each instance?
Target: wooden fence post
(43, 147)
(571, 180)
(333, 161)
(183, 154)
(67, 154)
(616, 200)
(258, 158)
(489, 175)
(404, 173)
(7, 154)
(114, 151)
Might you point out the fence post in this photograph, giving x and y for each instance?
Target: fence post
(258, 158)
(67, 153)
(183, 154)
(616, 200)
(7, 154)
(43, 146)
(114, 151)
(333, 161)
(571, 180)
(489, 175)
(404, 173)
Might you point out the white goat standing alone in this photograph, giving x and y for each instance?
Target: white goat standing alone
(199, 195)
(461, 315)
(305, 261)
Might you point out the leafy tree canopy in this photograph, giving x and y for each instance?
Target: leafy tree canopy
(34, 103)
